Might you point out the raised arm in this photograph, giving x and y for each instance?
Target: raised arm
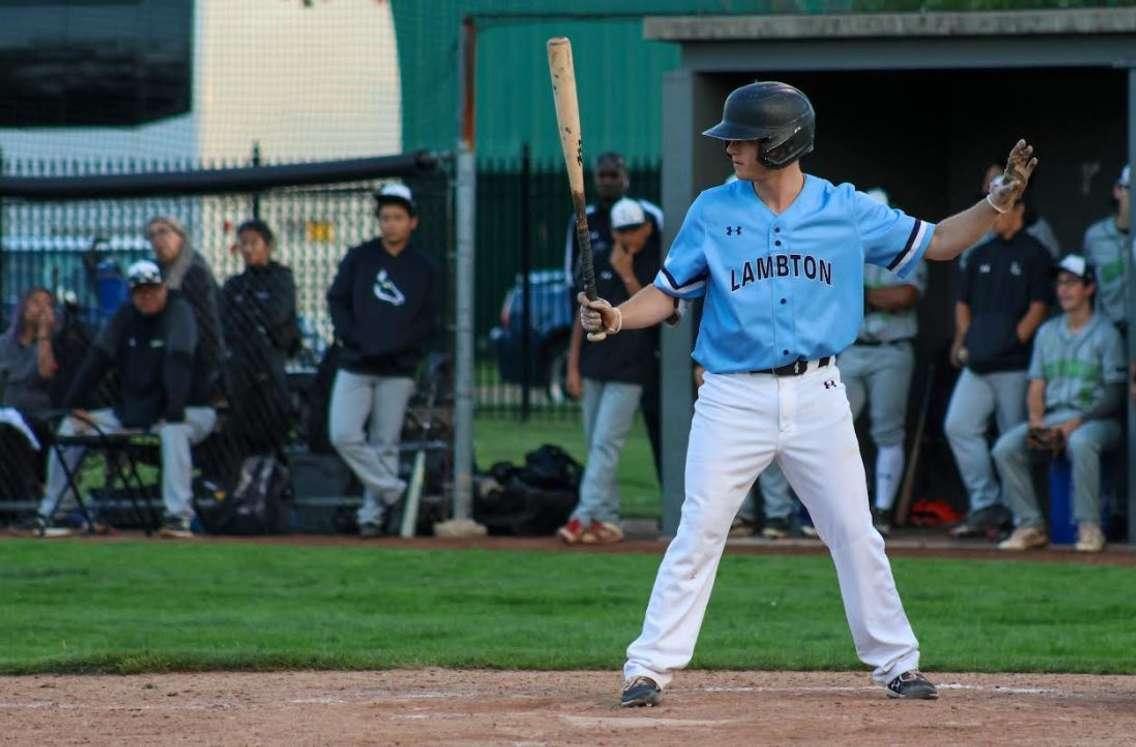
(954, 234)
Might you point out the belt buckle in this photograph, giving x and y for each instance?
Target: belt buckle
(800, 366)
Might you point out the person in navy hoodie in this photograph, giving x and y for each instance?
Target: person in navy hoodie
(384, 305)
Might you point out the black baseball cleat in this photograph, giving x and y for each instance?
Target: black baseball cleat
(912, 685)
(640, 691)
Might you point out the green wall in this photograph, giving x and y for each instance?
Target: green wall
(619, 73)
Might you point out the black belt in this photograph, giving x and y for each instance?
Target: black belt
(877, 343)
(796, 368)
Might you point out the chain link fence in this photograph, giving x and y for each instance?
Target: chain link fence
(78, 250)
(523, 214)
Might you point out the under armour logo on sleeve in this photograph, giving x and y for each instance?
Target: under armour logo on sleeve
(731, 230)
(830, 384)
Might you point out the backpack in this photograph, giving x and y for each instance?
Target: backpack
(260, 503)
(532, 500)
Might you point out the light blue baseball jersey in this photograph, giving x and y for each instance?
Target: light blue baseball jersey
(784, 287)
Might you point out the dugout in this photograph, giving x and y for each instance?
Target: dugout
(918, 104)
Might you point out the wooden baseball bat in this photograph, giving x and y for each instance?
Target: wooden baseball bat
(563, 73)
(903, 506)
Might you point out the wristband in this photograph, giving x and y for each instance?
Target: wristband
(996, 208)
(618, 321)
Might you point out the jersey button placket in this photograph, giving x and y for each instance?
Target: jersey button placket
(783, 328)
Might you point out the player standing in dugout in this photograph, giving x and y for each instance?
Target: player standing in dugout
(779, 256)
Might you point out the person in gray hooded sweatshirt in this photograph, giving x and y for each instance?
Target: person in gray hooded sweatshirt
(186, 273)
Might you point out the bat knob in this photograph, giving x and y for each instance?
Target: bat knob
(597, 336)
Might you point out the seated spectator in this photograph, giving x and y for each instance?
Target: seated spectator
(188, 274)
(27, 367)
(611, 376)
(384, 304)
(1077, 375)
(258, 314)
(1106, 243)
(27, 358)
(152, 343)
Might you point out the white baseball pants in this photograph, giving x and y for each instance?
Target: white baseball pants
(741, 423)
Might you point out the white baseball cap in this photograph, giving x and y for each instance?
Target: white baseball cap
(1075, 264)
(394, 192)
(143, 272)
(1125, 179)
(627, 214)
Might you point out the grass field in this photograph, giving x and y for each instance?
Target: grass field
(504, 438)
(85, 606)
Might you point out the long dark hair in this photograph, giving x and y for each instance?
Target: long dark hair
(16, 327)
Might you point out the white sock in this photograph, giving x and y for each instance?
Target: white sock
(889, 472)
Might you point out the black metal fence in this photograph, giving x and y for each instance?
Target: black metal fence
(523, 214)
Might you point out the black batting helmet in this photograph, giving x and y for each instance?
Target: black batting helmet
(776, 114)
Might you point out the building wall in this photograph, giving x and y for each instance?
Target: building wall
(307, 83)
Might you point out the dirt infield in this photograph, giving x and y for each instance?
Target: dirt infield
(491, 707)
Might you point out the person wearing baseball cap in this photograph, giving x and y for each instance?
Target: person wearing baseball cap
(394, 193)
(610, 182)
(1076, 384)
(152, 344)
(384, 305)
(1106, 243)
(611, 377)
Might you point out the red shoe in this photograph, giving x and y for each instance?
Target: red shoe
(602, 533)
(572, 533)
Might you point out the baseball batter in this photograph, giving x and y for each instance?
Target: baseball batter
(779, 256)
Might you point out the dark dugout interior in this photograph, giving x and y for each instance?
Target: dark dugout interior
(926, 138)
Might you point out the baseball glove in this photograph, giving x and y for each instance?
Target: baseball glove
(1048, 440)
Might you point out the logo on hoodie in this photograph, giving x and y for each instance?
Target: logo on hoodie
(386, 290)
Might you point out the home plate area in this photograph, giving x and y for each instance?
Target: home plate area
(439, 706)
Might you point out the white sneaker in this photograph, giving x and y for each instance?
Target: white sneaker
(1090, 538)
(1025, 538)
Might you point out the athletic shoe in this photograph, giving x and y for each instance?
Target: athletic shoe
(1089, 538)
(1025, 538)
(601, 533)
(881, 520)
(176, 527)
(641, 691)
(370, 531)
(572, 533)
(912, 685)
(38, 526)
(985, 522)
(775, 528)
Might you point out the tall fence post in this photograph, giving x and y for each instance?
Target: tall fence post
(526, 284)
(463, 335)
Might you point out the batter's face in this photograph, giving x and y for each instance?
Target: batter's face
(1073, 293)
(743, 155)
